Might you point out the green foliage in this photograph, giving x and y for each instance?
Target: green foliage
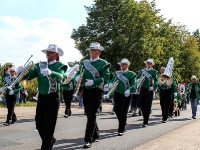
(28, 103)
(196, 34)
(135, 30)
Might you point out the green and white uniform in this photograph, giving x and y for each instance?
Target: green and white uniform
(98, 71)
(127, 80)
(151, 77)
(48, 84)
(69, 86)
(9, 81)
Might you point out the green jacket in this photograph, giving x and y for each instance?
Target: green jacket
(147, 83)
(69, 86)
(48, 84)
(102, 68)
(17, 85)
(174, 85)
(197, 87)
(121, 87)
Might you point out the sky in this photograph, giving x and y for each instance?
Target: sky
(29, 26)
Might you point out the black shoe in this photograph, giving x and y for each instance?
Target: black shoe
(6, 124)
(140, 113)
(164, 121)
(66, 116)
(120, 134)
(13, 121)
(144, 126)
(134, 114)
(113, 112)
(193, 117)
(87, 145)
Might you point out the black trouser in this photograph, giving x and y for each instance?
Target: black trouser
(135, 103)
(46, 116)
(91, 99)
(171, 105)
(68, 95)
(121, 108)
(10, 103)
(165, 99)
(23, 97)
(146, 102)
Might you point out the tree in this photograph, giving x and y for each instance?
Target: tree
(134, 30)
(196, 34)
(190, 59)
(125, 28)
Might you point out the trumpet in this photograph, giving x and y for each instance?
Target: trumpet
(112, 89)
(71, 73)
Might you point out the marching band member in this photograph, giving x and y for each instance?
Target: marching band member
(95, 74)
(49, 75)
(11, 96)
(194, 91)
(165, 95)
(135, 97)
(126, 85)
(149, 84)
(68, 90)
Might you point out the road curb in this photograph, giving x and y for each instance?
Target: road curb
(75, 109)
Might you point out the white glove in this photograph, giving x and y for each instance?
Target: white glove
(20, 69)
(127, 93)
(89, 82)
(46, 72)
(26, 94)
(11, 92)
(106, 86)
(77, 78)
(110, 85)
(151, 88)
(175, 94)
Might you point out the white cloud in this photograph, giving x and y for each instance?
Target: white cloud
(20, 38)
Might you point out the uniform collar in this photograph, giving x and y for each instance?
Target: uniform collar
(92, 60)
(12, 77)
(52, 62)
(149, 69)
(124, 71)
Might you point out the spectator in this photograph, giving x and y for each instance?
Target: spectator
(23, 93)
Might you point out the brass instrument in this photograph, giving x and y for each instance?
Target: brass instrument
(18, 79)
(21, 75)
(166, 77)
(112, 89)
(71, 73)
(78, 85)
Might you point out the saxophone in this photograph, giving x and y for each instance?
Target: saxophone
(112, 89)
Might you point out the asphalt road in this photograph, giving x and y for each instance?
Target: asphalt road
(70, 131)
